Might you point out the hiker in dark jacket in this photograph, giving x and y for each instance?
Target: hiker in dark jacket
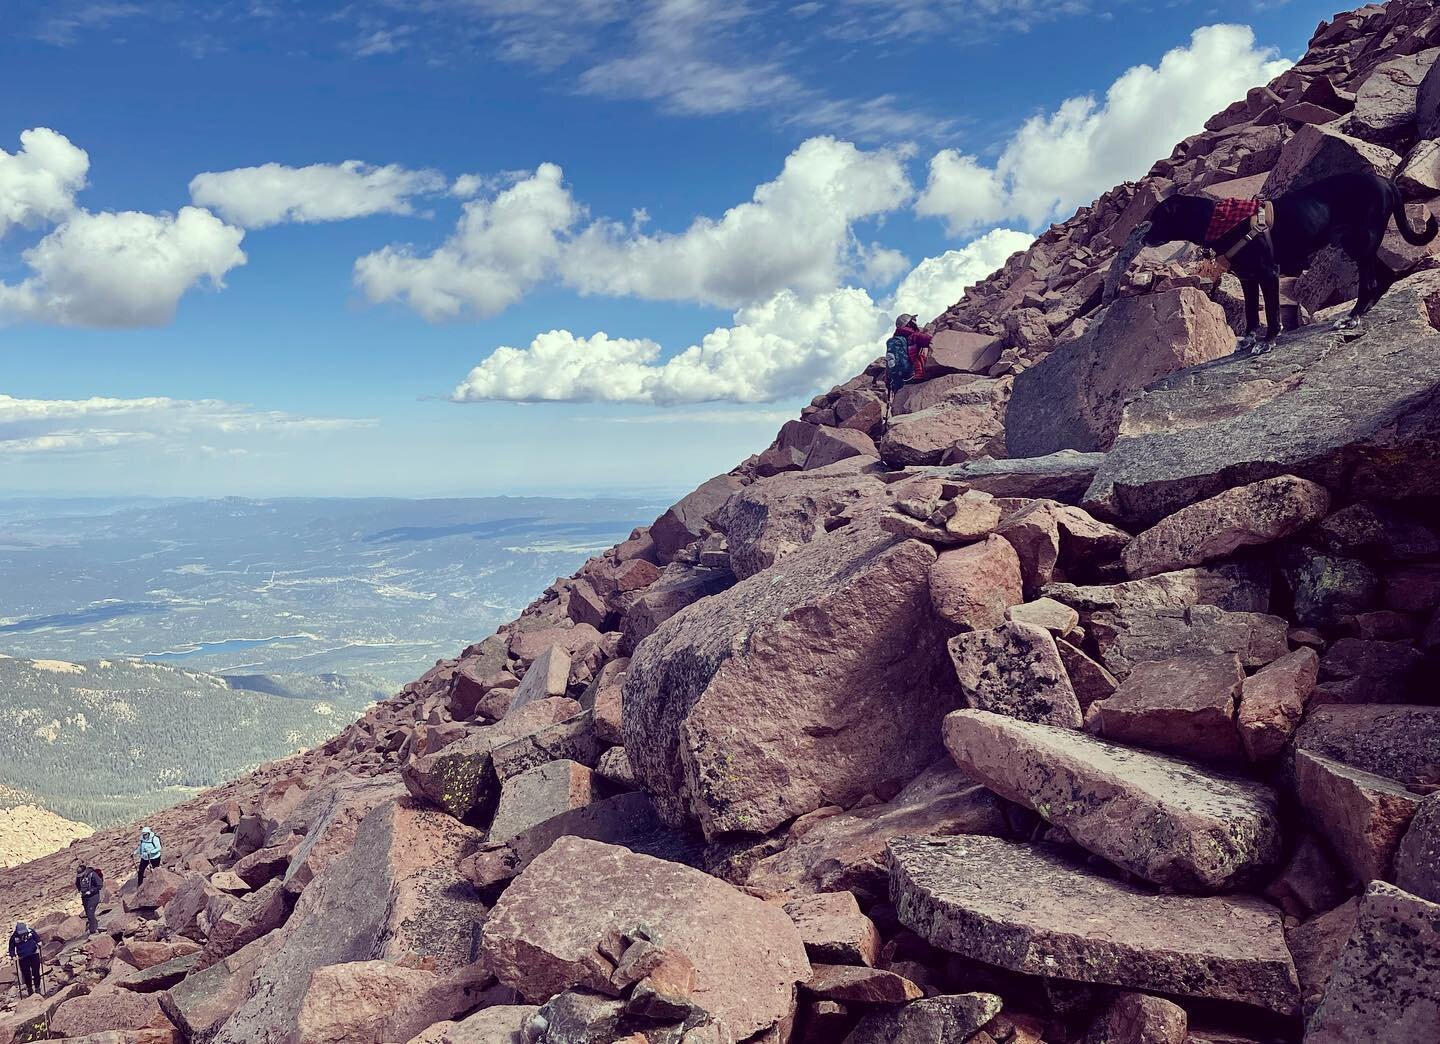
(147, 851)
(89, 882)
(919, 342)
(25, 949)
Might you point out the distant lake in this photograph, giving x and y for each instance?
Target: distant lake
(95, 614)
(226, 646)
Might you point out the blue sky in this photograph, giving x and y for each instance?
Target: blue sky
(456, 247)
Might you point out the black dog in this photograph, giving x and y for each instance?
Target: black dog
(1350, 210)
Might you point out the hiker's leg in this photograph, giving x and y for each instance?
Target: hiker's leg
(30, 973)
(91, 903)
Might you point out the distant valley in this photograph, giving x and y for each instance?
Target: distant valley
(155, 647)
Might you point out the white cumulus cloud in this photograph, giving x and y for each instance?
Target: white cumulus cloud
(121, 269)
(500, 248)
(256, 197)
(794, 234)
(1058, 161)
(788, 345)
(938, 282)
(38, 182)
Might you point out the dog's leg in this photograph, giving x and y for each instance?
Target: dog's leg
(1270, 283)
(1251, 287)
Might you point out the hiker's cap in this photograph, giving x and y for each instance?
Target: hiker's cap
(904, 318)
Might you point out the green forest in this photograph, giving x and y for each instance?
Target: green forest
(106, 742)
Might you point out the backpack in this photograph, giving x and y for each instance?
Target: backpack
(27, 945)
(897, 362)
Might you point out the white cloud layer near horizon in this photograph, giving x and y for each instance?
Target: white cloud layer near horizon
(1062, 160)
(30, 426)
(272, 193)
(787, 346)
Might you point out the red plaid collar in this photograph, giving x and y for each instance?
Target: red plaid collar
(1229, 213)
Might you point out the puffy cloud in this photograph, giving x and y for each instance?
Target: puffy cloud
(794, 234)
(29, 426)
(121, 269)
(500, 248)
(39, 181)
(1056, 162)
(256, 197)
(938, 282)
(787, 346)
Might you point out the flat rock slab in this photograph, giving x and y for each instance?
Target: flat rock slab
(1126, 637)
(1386, 984)
(1026, 908)
(954, 1017)
(1062, 476)
(1417, 863)
(847, 850)
(1359, 416)
(546, 932)
(1161, 818)
(1184, 705)
(1257, 513)
(1398, 741)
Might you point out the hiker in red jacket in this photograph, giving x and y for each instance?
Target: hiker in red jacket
(918, 341)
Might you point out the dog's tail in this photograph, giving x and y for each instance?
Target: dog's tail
(1402, 222)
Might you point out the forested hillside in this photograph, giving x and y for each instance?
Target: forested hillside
(109, 741)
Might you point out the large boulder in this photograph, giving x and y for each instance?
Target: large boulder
(109, 1008)
(1385, 103)
(1026, 908)
(1417, 862)
(833, 445)
(1317, 152)
(689, 518)
(371, 1002)
(1128, 636)
(958, 351)
(330, 828)
(1386, 984)
(396, 894)
(770, 518)
(675, 589)
(927, 437)
(972, 586)
(1074, 397)
(201, 1002)
(1396, 741)
(1161, 818)
(238, 923)
(1363, 815)
(1272, 702)
(1015, 669)
(1258, 513)
(1184, 705)
(846, 851)
(552, 930)
(1310, 407)
(817, 682)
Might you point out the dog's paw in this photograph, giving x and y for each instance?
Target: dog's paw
(1345, 322)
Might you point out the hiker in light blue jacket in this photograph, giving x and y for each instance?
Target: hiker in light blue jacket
(148, 851)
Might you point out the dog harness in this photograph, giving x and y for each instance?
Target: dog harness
(1228, 215)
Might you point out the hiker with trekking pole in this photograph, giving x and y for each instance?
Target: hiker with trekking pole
(905, 353)
(25, 952)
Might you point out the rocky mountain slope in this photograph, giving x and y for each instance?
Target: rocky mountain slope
(28, 832)
(1087, 697)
